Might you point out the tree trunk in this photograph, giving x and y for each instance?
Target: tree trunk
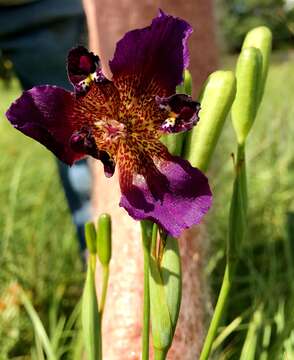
(108, 21)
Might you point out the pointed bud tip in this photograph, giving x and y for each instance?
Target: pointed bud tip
(104, 239)
(90, 235)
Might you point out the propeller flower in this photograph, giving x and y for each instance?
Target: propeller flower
(120, 122)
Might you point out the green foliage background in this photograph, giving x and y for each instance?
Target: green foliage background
(237, 17)
(260, 309)
(38, 248)
(39, 251)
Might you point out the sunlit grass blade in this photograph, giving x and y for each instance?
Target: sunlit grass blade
(37, 352)
(226, 331)
(250, 345)
(77, 348)
(39, 329)
(266, 339)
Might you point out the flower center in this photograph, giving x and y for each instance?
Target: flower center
(111, 129)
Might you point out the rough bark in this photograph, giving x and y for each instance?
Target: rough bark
(108, 21)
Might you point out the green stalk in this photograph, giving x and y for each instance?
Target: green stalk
(241, 160)
(154, 240)
(104, 251)
(159, 354)
(237, 229)
(251, 75)
(218, 312)
(91, 319)
(105, 278)
(146, 240)
(146, 308)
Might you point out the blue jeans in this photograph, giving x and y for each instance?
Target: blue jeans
(36, 37)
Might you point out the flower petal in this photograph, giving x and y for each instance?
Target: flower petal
(84, 141)
(45, 114)
(181, 113)
(151, 60)
(83, 68)
(98, 133)
(162, 188)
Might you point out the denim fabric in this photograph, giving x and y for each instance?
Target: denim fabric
(36, 37)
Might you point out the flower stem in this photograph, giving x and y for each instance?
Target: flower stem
(146, 297)
(105, 278)
(154, 244)
(241, 162)
(218, 312)
(159, 354)
(236, 234)
(146, 308)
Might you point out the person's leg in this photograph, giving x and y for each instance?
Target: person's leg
(39, 57)
(76, 182)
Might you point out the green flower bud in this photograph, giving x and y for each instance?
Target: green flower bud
(165, 282)
(186, 86)
(90, 235)
(171, 273)
(174, 142)
(248, 74)
(187, 82)
(104, 239)
(260, 38)
(162, 328)
(216, 100)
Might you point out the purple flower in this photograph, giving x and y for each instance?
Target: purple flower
(121, 122)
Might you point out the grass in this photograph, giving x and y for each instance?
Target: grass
(39, 251)
(263, 293)
(38, 248)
